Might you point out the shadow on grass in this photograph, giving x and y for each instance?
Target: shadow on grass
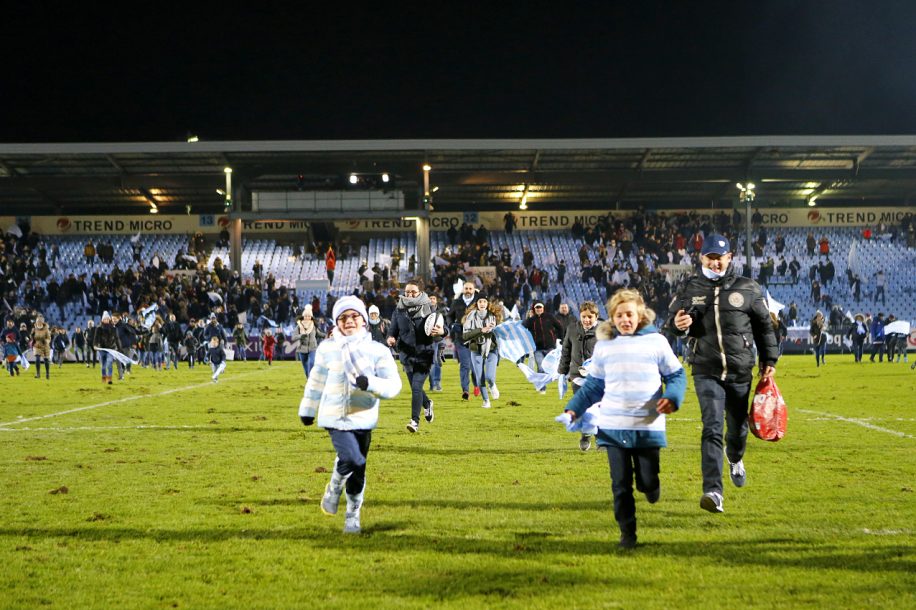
(431, 503)
(402, 537)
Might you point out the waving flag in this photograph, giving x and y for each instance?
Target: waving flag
(262, 320)
(514, 340)
(122, 358)
(773, 305)
(149, 315)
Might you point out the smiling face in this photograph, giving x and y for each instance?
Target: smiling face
(626, 318)
(717, 263)
(588, 318)
(482, 304)
(350, 322)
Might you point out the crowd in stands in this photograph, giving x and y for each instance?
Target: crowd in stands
(618, 251)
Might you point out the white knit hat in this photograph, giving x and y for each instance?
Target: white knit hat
(349, 302)
(373, 309)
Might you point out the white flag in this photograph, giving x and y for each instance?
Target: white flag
(773, 305)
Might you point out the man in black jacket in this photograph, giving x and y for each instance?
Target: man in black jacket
(545, 330)
(415, 347)
(722, 313)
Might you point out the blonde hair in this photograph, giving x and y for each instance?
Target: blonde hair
(588, 306)
(628, 295)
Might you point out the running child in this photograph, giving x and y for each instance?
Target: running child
(624, 396)
(11, 355)
(217, 358)
(350, 374)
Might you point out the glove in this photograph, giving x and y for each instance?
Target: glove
(362, 382)
(307, 421)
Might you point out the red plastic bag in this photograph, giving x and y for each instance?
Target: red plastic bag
(768, 416)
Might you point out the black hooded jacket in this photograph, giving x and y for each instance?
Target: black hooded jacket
(729, 314)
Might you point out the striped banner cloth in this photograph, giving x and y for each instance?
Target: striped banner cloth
(514, 340)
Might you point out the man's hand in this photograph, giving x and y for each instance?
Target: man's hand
(682, 320)
(768, 372)
(437, 331)
(391, 341)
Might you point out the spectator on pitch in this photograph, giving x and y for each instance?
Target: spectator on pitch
(565, 318)
(435, 371)
(11, 354)
(477, 332)
(630, 365)
(269, 342)
(191, 345)
(578, 346)
(155, 345)
(217, 356)
(59, 342)
(91, 355)
(858, 333)
(459, 306)
(350, 375)
(128, 336)
(545, 330)
(378, 326)
(171, 330)
(818, 332)
(415, 347)
(877, 338)
(78, 340)
(240, 336)
(41, 346)
(720, 312)
(307, 336)
(106, 337)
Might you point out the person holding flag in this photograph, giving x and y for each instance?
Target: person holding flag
(577, 348)
(105, 341)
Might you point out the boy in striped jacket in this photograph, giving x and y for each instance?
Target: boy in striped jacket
(350, 374)
(634, 380)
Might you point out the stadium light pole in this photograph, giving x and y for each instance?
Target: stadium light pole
(746, 195)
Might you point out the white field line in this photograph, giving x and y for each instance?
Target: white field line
(115, 402)
(101, 428)
(858, 422)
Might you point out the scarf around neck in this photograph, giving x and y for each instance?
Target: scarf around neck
(355, 359)
(416, 307)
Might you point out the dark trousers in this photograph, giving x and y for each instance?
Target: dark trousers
(858, 346)
(877, 349)
(625, 463)
(418, 398)
(464, 366)
(352, 447)
(717, 399)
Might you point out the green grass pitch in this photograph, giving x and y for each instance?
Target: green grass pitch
(168, 491)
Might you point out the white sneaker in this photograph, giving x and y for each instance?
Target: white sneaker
(486, 404)
(712, 501)
(739, 476)
(494, 392)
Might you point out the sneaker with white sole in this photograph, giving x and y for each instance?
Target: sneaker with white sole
(585, 442)
(428, 412)
(486, 404)
(330, 500)
(739, 476)
(413, 425)
(712, 501)
(494, 392)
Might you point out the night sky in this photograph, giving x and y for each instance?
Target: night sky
(637, 69)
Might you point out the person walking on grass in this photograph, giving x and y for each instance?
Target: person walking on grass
(351, 373)
(41, 346)
(415, 347)
(633, 382)
(577, 348)
(460, 305)
(60, 342)
(191, 344)
(477, 332)
(11, 354)
(818, 332)
(106, 337)
(721, 313)
(307, 336)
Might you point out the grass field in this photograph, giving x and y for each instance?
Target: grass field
(167, 491)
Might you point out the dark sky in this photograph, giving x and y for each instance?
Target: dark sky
(574, 69)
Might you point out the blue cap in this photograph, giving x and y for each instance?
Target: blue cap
(715, 244)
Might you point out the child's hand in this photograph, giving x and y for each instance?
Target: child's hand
(664, 405)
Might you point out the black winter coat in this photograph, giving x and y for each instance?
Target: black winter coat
(730, 313)
(577, 348)
(415, 347)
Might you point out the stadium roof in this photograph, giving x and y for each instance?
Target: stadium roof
(123, 178)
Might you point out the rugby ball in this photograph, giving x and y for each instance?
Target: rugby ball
(432, 320)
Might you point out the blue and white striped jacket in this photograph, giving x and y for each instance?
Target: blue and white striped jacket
(623, 385)
(338, 403)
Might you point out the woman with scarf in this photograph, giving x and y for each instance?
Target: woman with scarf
(858, 333)
(477, 332)
(415, 347)
(378, 326)
(307, 334)
(819, 337)
(351, 373)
